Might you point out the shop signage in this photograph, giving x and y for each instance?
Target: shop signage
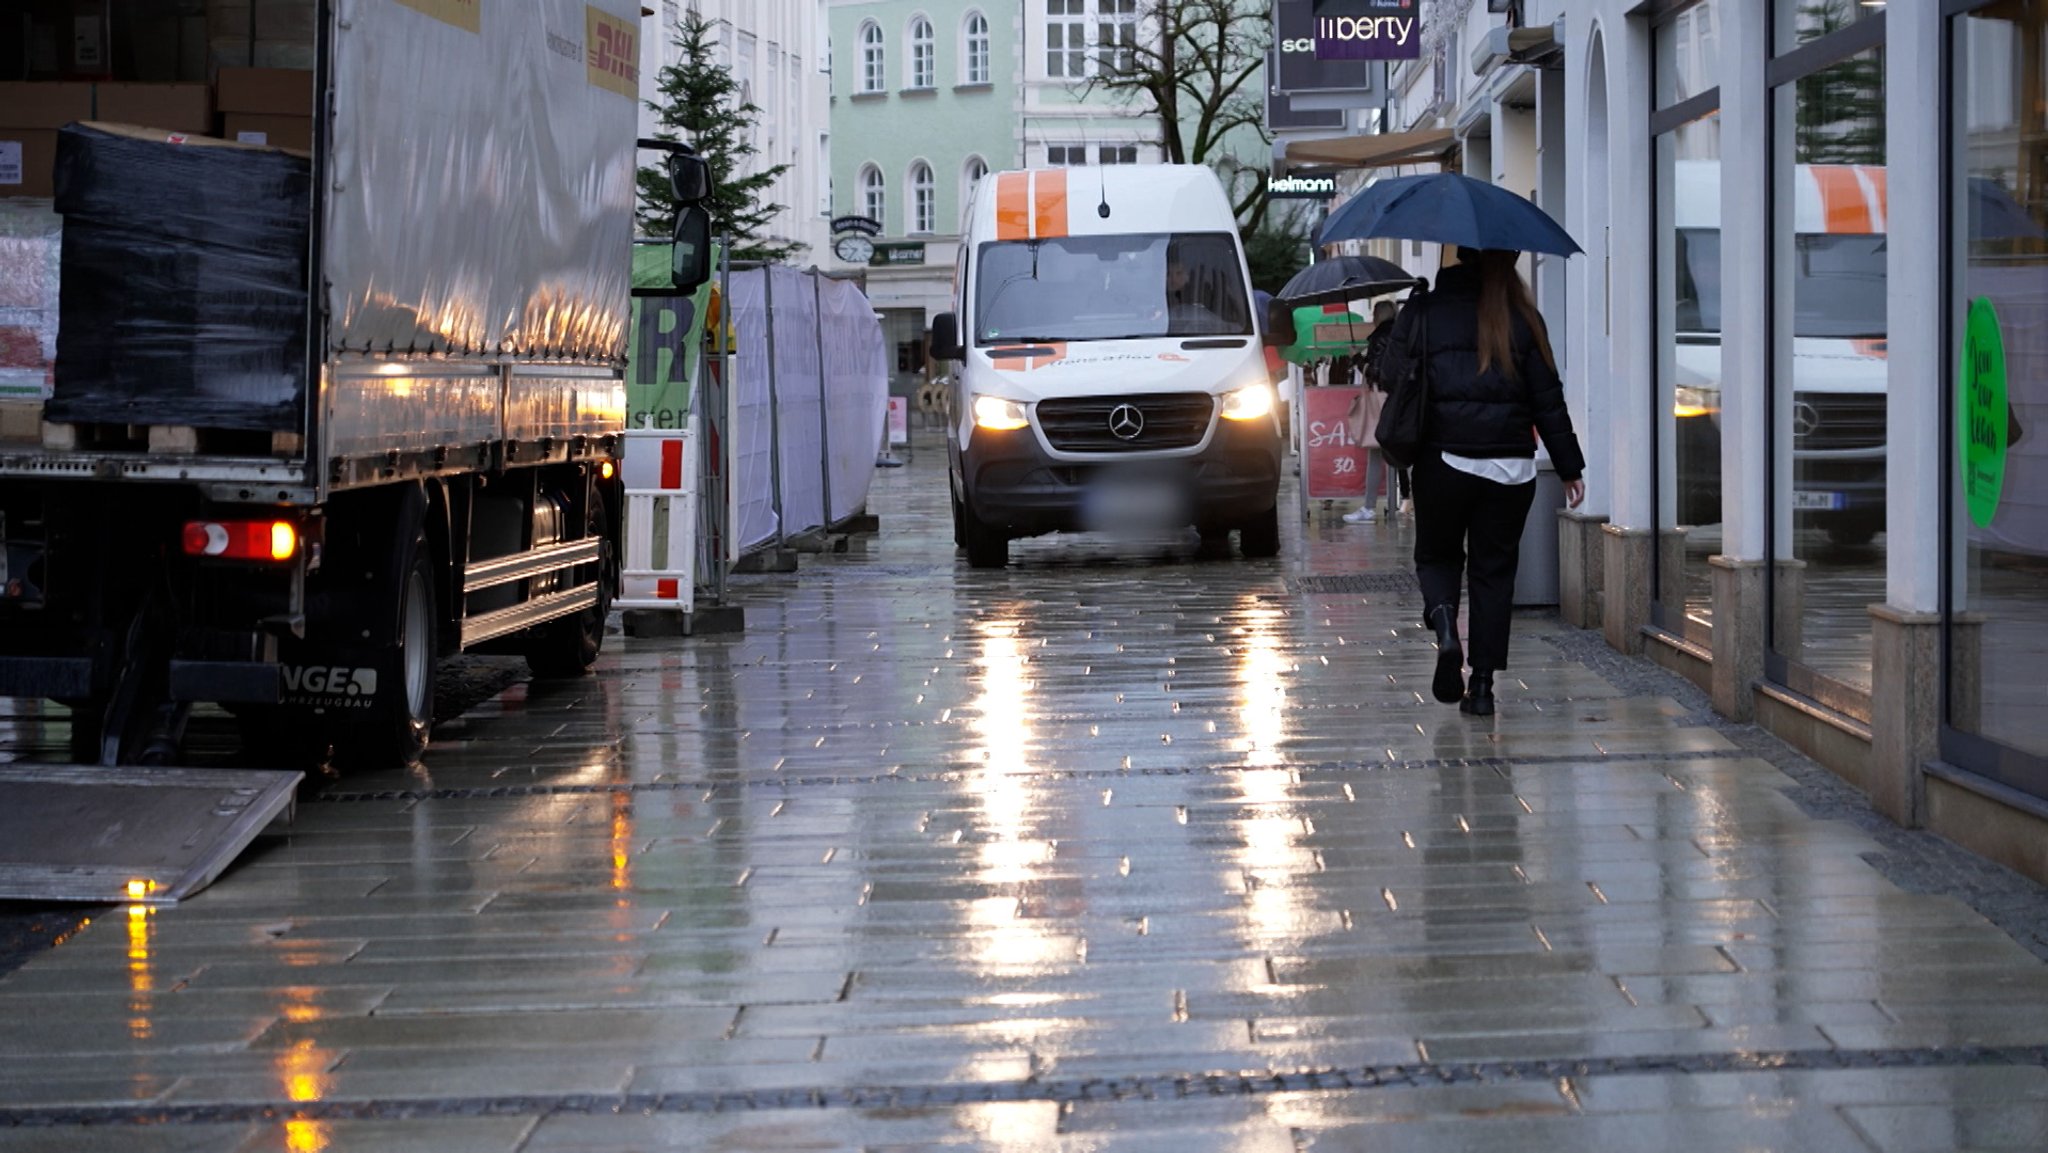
(865, 225)
(1306, 185)
(912, 253)
(1305, 76)
(1281, 114)
(1982, 413)
(1368, 37)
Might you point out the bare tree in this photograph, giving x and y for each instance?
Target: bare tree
(1198, 65)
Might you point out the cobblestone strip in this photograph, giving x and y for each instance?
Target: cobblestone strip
(1915, 860)
(778, 782)
(1148, 1088)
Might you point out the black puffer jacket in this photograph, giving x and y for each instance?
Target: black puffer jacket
(1485, 415)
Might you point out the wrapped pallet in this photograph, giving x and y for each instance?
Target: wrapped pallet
(184, 281)
(29, 237)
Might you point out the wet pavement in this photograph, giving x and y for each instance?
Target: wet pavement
(1121, 848)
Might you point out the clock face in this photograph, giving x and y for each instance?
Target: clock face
(854, 249)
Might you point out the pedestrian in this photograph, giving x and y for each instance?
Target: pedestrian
(1492, 379)
(1367, 408)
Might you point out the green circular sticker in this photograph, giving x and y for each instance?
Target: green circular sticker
(1980, 421)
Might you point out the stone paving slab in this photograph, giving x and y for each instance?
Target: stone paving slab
(1117, 848)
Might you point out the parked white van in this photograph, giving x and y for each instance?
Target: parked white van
(1110, 372)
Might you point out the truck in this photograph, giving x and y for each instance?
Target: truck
(320, 417)
(1111, 375)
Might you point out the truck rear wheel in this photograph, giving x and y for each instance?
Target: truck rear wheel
(395, 732)
(569, 646)
(1259, 537)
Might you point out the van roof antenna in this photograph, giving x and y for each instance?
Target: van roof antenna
(1102, 183)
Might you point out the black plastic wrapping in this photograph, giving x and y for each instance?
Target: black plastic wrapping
(184, 282)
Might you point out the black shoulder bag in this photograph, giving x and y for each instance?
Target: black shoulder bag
(1399, 431)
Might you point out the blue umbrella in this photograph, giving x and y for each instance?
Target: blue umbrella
(1447, 208)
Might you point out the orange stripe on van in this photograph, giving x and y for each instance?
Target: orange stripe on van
(1049, 198)
(1843, 207)
(1013, 206)
(1875, 174)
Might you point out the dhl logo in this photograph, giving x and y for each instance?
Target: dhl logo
(614, 52)
(467, 15)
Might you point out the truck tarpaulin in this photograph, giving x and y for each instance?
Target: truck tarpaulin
(486, 150)
(176, 309)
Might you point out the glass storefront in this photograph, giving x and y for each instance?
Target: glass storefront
(1829, 371)
(1998, 336)
(1687, 405)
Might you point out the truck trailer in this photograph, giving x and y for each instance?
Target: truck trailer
(318, 417)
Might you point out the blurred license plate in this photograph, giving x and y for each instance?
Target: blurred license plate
(1818, 500)
(1115, 502)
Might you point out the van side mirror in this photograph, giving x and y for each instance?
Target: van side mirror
(690, 256)
(689, 177)
(1278, 331)
(946, 337)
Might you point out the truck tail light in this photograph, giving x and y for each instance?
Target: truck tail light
(271, 540)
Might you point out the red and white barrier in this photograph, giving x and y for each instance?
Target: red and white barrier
(660, 471)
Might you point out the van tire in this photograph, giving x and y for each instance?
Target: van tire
(1259, 537)
(394, 734)
(986, 545)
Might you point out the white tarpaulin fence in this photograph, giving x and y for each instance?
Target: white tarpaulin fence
(826, 421)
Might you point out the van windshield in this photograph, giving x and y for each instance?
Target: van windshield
(1837, 291)
(1110, 288)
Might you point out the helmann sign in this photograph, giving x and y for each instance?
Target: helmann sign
(1301, 186)
(1368, 37)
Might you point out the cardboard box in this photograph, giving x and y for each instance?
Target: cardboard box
(172, 107)
(270, 91)
(290, 132)
(31, 104)
(28, 162)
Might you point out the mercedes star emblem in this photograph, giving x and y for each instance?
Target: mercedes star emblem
(1805, 419)
(1126, 422)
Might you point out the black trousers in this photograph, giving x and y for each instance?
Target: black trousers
(1466, 526)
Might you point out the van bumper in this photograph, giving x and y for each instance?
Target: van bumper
(1012, 484)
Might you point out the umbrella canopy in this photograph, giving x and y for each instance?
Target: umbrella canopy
(1345, 278)
(1447, 208)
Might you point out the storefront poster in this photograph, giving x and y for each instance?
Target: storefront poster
(1334, 467)
(1981, 419)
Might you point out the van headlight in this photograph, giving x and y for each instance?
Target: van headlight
(1687, 401)
(1248, 403)
(998, 415)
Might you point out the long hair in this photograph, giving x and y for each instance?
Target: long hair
(1500, 291)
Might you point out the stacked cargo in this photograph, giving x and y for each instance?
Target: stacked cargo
(184, 281)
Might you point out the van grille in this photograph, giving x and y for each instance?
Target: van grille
(1823, 421)
(1170, 420)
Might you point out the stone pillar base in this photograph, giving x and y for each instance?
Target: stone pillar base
(1905, 710)
(1581, 567)
(1625, 607)
(1671, 575)
(1738, 640)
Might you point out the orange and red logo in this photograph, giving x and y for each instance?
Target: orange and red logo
(614, 51)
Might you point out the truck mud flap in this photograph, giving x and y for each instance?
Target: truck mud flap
(151, 836)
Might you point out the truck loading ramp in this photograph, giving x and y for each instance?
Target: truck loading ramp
(86, 833)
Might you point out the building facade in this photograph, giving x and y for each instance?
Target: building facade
(1813, 383)
(777, 51)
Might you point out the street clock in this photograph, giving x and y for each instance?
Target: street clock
(854, 249)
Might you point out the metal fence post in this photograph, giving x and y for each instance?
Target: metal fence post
(774, 407)
(716, 461)
(824, 424)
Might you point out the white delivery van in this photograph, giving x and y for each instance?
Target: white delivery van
(1110, 375)
(1838, 346)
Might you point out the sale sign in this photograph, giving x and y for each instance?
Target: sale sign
(1333, 466)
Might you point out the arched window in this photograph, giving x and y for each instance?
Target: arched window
(872, 201)
(871, 79)
(970, 172)
(974, 68)
(924, 56)
(924, 199)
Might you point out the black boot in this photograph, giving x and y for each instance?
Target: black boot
(1450, 658)
(1479, 696)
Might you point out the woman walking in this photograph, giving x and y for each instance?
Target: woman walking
(1492, 379)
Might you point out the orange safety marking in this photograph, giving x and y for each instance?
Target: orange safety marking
(1013, 206)
(1050, 197)
(1875, 174)
(1843, 207)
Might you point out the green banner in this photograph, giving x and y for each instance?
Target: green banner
(1981, 412)
(666, 339)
